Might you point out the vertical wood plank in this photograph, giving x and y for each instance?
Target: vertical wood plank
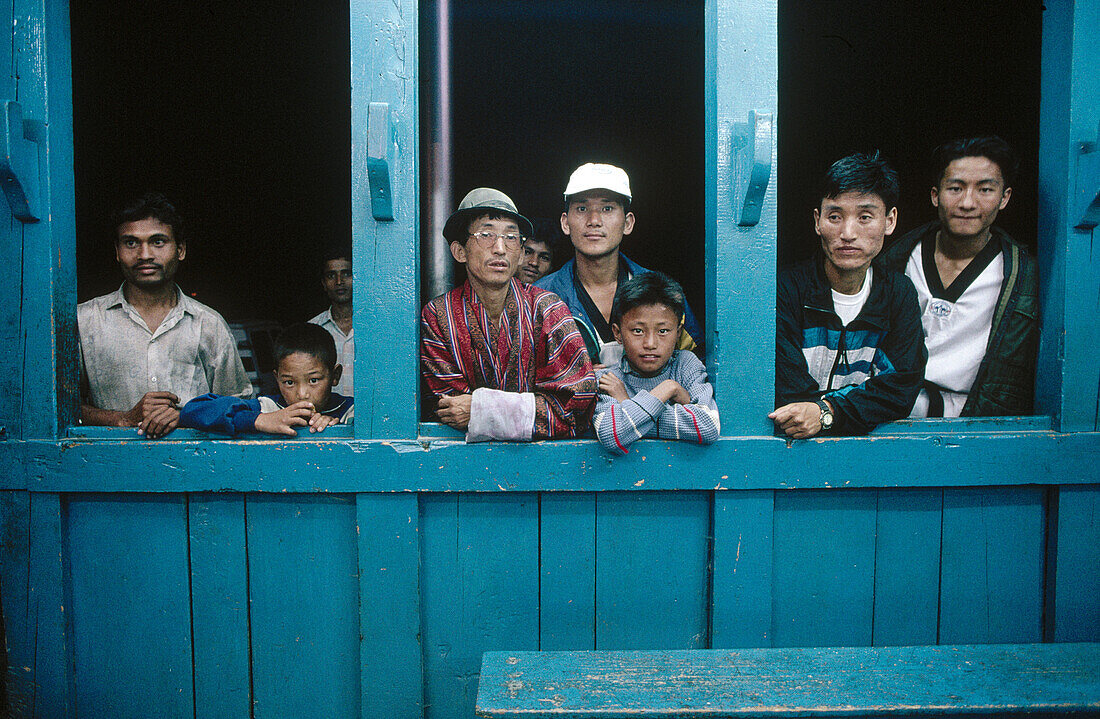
(390, 662)
(1068, 375)
(907, 566)
(991, 588)
(824, 567)
(131, 606)
(304, 595)
(480, 589)
(219, 601)
(741, 612)
(741, 76)
(652, 570)
(54, 691)
(42, 65)
(567, 562)
(1077, 565)
(384, 52)
(15, 557)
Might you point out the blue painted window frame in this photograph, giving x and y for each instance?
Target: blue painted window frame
(741, 79)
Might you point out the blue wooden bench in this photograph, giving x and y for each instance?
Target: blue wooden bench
(960, 681)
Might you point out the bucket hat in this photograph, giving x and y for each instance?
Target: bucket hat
(478, 202)
(594, 176)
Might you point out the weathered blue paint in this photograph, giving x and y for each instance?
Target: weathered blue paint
(219, 605)
(384, 67)
(304, 605)
(150, 587)
(741, 77)
(824, 554)
(49, 612)
(1075, 611)
(41, 82)
(445, 466)
(652, 570)
(1068, 383)
(480, 589)
(960, 681)
(741, 580)
(567, 562)
(390, 660)
(364, 571)
(19, 164)
(907, 567)
(992, 565)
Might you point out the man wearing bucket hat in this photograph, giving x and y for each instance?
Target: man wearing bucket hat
(504, 359)
(597, 216)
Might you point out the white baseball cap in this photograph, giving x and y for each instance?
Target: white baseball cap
(594, 176)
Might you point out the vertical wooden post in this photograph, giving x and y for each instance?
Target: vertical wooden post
(1069, 178)
(384, 164)
(42, 83)
(741, 96)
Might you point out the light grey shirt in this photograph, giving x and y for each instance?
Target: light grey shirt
(345, 351)
(191, 353)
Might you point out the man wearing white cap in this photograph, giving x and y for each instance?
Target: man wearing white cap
(597, 216)
(504, 359)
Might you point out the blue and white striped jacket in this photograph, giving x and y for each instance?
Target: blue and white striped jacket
(871, 370)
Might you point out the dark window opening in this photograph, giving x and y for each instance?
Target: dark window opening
(239, 113)
(540, 88)
(903, 78)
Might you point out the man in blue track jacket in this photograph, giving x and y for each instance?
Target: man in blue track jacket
(849, 347)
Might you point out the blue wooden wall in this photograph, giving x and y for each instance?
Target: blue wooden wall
(364, 574)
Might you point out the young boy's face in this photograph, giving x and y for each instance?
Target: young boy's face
(648, 334)
(305, 378)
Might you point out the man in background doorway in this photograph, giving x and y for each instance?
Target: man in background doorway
(147, 348)
(978, 288)
(597, 217)
(336, 281)
(538, 252)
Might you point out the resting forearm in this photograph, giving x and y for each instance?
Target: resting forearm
(104, 417)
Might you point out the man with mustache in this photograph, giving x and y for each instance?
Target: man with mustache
(147, 348)
(978, 288)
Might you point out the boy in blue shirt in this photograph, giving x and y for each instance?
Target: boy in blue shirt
(305, 370)
(655, 390)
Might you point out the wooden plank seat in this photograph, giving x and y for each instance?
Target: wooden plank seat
(959, 681)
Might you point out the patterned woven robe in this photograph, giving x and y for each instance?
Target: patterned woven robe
(535, 348)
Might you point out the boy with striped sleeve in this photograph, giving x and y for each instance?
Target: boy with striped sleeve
(655, 390)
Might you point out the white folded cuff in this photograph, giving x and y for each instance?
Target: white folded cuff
(495, 414)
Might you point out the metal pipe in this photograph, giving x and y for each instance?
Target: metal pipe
(440, 275)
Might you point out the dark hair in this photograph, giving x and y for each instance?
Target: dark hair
(992, 147)
(307, 338)
(335, 251)
(155, 205)
(647, 288)
(865, 173)
(547, 232)
(621, 199)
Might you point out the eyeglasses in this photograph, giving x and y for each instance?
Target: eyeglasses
(487, 239)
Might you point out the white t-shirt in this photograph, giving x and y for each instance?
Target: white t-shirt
(956, 328)
(848, 306)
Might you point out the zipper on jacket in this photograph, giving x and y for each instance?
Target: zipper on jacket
(841, 351)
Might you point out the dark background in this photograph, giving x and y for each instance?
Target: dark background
(240, 113)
